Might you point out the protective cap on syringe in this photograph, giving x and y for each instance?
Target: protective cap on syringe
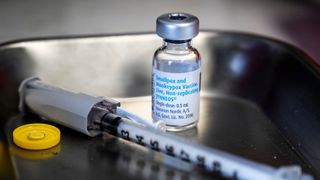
(290, 173)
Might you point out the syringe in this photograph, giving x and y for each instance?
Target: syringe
(91, 116)
(72, 107)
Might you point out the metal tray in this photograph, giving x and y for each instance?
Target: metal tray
(260, 100)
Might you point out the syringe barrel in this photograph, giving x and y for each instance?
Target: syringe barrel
(228, 165)
(58, 105)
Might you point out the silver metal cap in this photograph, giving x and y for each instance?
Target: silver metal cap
(177, 26)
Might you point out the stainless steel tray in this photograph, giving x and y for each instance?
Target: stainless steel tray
(260, 100)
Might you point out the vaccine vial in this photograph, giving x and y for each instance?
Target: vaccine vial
(176, 73)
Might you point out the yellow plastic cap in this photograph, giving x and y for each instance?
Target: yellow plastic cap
(36, 136)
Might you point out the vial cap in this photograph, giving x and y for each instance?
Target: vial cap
(36, 136)
(177, 26)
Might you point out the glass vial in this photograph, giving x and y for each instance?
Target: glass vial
(176, 73)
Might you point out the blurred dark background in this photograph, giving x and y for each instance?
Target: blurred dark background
(293, 21)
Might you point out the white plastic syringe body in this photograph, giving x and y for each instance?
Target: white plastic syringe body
(73, 110)
(61, 106)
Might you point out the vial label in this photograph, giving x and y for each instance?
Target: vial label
(176, 97)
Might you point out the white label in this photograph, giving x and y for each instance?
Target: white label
(176, 97)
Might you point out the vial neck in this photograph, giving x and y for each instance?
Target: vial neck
(173, 44)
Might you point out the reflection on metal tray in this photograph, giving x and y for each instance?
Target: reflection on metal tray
(260, 100)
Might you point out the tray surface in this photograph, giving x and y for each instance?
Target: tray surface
(259, 100)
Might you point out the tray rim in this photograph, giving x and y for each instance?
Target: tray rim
(312, 62)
